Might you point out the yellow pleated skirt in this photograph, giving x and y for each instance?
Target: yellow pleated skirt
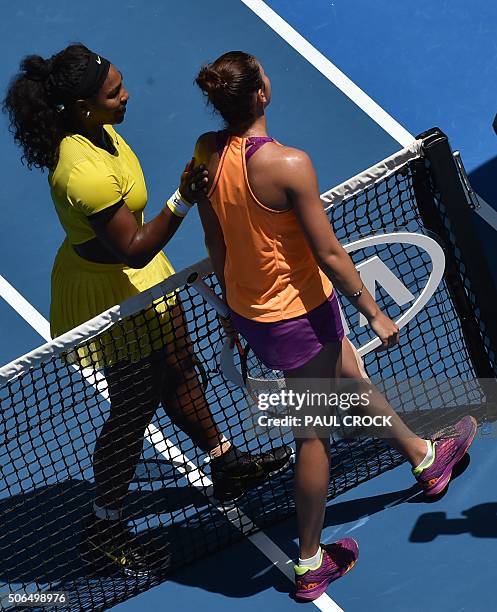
(82, 289)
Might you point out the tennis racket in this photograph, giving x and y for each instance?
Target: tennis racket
(253, 376)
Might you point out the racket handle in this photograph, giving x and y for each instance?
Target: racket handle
(209, 296)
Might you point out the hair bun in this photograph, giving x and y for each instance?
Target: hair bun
(210, 81)
(229, 84)
(36, 68)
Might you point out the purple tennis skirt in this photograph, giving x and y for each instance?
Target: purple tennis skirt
(289, 344)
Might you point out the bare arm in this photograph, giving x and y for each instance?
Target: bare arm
(214, 239)
(135, 246)
(300, 183)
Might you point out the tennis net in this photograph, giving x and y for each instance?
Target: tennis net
(55, 400)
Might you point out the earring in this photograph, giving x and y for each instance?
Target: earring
(87, 114)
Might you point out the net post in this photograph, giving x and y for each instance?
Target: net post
(446, 211)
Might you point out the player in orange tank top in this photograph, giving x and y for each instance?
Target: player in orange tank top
(273, 251)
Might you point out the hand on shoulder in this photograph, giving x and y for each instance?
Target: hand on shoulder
(204, 148)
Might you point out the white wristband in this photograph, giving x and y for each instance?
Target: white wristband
(178, 205)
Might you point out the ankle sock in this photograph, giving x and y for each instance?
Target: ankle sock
(313, 562)
(428, 460)
(230, 457)
(222, 448)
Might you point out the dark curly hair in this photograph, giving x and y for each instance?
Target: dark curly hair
(37, 103)
(229, 83)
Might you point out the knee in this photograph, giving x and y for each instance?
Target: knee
(352, 363)
(180, 369)
(313, 444)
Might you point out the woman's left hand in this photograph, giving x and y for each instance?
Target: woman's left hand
(193, 182)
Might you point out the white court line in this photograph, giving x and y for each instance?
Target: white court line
(345, 85)
(330, 71)
(24, 308)
(171, 453)
(237, 518)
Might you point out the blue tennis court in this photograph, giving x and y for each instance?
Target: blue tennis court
(353, 83)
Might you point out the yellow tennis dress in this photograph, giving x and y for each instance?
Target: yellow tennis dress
(86, 180)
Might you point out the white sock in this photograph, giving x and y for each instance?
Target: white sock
(220, 449)
(428, 460)
(109, 514)
(314, 562)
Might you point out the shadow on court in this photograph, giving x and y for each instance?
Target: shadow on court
(479, 521)
(342, 513)
(43, 528)
(483, 180)
(237, 572)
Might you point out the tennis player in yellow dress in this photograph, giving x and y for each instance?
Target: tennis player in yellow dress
(62, 110)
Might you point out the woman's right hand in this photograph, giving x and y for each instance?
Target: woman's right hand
(193, 182)
(386, 330)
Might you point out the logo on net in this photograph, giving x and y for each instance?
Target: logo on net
(375, 272)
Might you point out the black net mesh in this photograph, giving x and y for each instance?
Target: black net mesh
(66, 424)
(466, 286)
(433, 343)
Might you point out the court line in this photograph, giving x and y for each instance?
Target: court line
(172, 453)
(24, 308)
(330, 71)
(345, 85)
(260, 540)
(236, 517)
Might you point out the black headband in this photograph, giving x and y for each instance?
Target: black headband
(93, 77)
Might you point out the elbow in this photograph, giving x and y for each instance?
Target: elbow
(137, 256)
(326, 260)
(137, 262)
(136, 265)
(331, 264)
(209, 246)
(209, 239)
(214, 245)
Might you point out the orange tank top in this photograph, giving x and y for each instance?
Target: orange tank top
(270, 271)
